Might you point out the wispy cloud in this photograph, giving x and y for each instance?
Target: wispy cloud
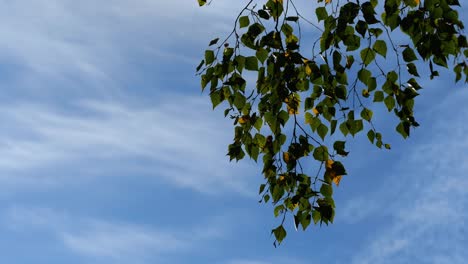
(119, 241)
(425, 206)
(110, 240)
(90, 38)
(183, 144)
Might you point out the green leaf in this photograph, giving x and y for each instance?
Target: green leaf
(263, 14)
(376, 31)
(309, 104)
(344, 128)
(352, 42)
(280, 233)
(292, 18)
(254, 152)
(366, 114)
(341, 92)
(414, 84)
(457, 70)
(309, 118)
(321, 13)
(338, 168)
(305, 221)
(380, 47)
(259, 138)
(244, 21)
(367, 56)
(369, 13)
(201, 2)
(403, 129)
(392, 76)
(213, 41)
(378, 96)
(389, 102)
(316, 216)
(283, 117)
(322, 130)
(326, 40)
(412, 69)
(339, 147)
(262, 188)
(391, 20)
(227, 53)
(321, 153)
(278, 210)
(251, 63)
(258, 124)
(276, 9)
(333, 125)
(326, 209)
(315, 123)
(209, 57)
(409, 55)
(262, 55)
(200, 65)
(371, 135)
(326, 190)
(239, 100)
(372, 84)
(215, 98)
(361, 28)
(356, 127)
(364, 75)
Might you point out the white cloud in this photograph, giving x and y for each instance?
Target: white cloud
(117, 242)
(425, 203)
(178, 140)
(94, 38)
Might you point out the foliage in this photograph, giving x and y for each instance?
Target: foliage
(300, 102)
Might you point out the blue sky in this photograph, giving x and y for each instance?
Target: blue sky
(110, 153)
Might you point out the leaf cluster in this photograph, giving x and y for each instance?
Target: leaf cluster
(305, 106)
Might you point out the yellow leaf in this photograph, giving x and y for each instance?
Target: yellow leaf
(329, 168)
(292, 111)
(337, 180)
(286, 157)
(328, 1)
(412, 3)
(293, 104)
(315, 111)
(281, 178)
(365, 93)
(308, 70)
(243, 119)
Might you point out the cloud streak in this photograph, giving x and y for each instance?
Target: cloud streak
(426, 204)
(118, 242)
(182, 144)
(52, 37)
